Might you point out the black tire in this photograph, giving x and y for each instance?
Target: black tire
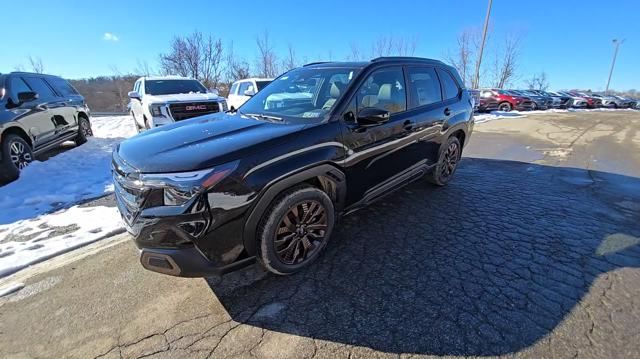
(84, 131)
(505, 107)
(534, 106)
(448, 159)
(300, 245)
(12, 146)
(135, 122)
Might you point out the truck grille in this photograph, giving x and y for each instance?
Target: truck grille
(183, 111)
(129, 198)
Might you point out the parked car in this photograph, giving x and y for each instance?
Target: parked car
(627, 102)
(158, 101)
(538, 102)
(592, 102)
(487, 101)
(558, 101)
(576, 101)
(212, 194)
(242, 90)
(37, 112)
(610, 101)
(507, 100)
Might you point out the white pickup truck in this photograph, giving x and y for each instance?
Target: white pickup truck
(242, 90)
(157, 101)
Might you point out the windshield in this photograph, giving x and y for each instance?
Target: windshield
(169, 87)
(308, 93)
(262, 84)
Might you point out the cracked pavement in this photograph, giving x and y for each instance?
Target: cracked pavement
(538, 259)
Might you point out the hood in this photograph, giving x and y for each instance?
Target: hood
(201, 142)
(182, 97)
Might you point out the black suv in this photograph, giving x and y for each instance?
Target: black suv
(212, 194)
(37, 113)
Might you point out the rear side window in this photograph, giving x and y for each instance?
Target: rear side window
(62, 86)
(449, 86)
(18, 85)
(40, 87)
(384, 89)
(234, 89)
(424, 86)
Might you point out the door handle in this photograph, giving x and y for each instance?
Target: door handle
(407, 125)
(447, 112)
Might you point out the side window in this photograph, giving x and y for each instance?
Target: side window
(18, 85)
(234, 89)
(136, 87)
(424, 86)
(244, 86)
(40, 87)
(486, 94)
(384, 89)
(449, 86)
(62, 86)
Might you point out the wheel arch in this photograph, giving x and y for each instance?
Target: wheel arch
(326, 177)
(460, 134)
(17, 130)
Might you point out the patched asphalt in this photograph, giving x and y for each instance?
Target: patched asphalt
(532, 259)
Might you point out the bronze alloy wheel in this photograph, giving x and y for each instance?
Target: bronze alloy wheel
(450, 160)
(301, 232)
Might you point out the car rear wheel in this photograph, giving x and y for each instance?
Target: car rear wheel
(16, 155)
(84, 131)
(450, 154)
(295, 229)
(505, 107)
(534, 106)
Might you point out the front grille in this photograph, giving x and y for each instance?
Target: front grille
(129, 198)
(183, 111)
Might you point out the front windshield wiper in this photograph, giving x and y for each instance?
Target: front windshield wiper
(260, 116)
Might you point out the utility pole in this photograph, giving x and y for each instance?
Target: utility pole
(617, 44)
(476, 81)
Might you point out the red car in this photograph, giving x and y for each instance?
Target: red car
(506, 100)
(592, 102)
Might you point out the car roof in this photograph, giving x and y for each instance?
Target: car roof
(31, 74)
(385, 59)
(254, 79)
(170, 77)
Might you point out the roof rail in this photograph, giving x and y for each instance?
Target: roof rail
(405, 58)
(315, 63)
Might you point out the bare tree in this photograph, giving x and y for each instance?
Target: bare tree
(143, 68)
(356, 54)
(538, 82)
(194, 56)
(390, 46)
(237, 69)
(290, 61)
(506, 63)
(36, 65)
(18, 68)
(120, 89)
(462, 58)
(267, 61)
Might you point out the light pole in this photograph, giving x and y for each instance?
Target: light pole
(476, 81)
(617, 44)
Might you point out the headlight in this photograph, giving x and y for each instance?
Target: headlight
(180, 188)
(156, 110)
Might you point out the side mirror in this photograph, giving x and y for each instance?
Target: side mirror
(134, 95)
(371, 116)
(249, 92)
(214, 91)
(27, 96)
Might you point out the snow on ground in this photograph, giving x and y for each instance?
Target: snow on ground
(497, 115)
(73, 176)
(37, 216)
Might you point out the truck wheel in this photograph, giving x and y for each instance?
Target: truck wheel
(505, 107)
(16, 155)
(450, 154)
(84, 131)
(295, 229)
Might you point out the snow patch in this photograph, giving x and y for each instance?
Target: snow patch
(71, 177)
(10, 289)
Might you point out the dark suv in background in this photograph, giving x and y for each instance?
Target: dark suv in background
(211, 194)
(37, 113)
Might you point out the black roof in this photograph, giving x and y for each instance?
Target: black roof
(391, 59)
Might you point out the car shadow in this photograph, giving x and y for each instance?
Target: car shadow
(488, 265)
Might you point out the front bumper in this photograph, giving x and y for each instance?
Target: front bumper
(187, 262)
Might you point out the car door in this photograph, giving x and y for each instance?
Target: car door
(232, 98)
(70, 101)
(53, 124)
(378, 154)
(135, 104)
(35, 117)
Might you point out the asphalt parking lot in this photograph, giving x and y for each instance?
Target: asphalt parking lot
(533, 250)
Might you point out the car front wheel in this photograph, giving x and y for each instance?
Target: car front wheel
(16, 155)
(84, 131)
(295, 229)
(505, 107)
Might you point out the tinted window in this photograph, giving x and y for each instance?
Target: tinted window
(234, 89)
(449, 85)
(262, 84)
(40, 87)
(168, 87)
(244, 86)
(424, 85)
(384, 89)
(62, 86)
(18, 85)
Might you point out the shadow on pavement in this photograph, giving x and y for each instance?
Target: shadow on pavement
(486, 266)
